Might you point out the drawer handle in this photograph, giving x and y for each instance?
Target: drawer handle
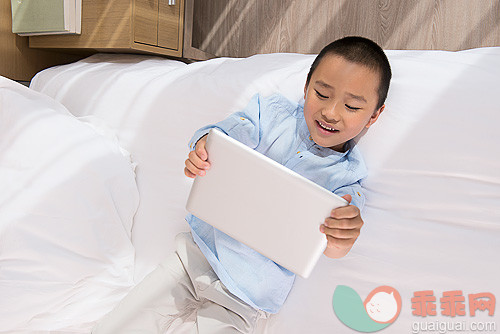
(171, 2)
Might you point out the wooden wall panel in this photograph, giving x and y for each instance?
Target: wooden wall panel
(240, 28)
(105, 24)
(17, 60)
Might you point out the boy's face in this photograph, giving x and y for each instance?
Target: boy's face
(340, 101)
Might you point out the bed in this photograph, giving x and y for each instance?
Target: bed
(93, 190)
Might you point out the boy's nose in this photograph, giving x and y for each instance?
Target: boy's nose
(331, 114)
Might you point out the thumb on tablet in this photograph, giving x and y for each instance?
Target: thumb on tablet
(348, 198)
(200, 148)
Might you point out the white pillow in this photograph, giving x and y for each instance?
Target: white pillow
(67, 201)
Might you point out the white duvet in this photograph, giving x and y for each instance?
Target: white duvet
(67, 201)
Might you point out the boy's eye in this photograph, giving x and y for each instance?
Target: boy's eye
(320, 95)
(351, 108)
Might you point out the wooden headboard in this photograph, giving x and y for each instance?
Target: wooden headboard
(240, 28)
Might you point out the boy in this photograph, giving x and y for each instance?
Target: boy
(225, 286)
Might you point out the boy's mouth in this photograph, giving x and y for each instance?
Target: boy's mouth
(325, 128)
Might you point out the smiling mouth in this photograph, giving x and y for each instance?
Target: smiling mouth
(326, 128)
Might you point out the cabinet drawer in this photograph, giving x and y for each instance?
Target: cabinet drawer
(146, 21)
(158, 23)
(169, 24)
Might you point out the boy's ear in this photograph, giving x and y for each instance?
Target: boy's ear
(305, 91)
(375, 116)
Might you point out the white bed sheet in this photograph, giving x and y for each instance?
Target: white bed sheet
(432, 219)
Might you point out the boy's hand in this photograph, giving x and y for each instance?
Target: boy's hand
(342, 229)
(196, 163)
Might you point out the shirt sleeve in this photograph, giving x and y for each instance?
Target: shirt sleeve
(244, 126)
(356, 192)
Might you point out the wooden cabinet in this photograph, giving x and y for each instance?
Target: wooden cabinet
(136, 26)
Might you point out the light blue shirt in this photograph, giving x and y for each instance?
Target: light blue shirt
(275, 127)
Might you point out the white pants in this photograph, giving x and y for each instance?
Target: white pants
(182, 290)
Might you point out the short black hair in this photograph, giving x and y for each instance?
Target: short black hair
(361, 51)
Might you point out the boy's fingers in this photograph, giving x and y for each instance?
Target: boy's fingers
(193, 169)
(341, 233)
(339, 243)
(188, 173)
(344, 224)
(349, 211)
(197, 161)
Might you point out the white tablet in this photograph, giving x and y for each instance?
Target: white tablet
(262, 204)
